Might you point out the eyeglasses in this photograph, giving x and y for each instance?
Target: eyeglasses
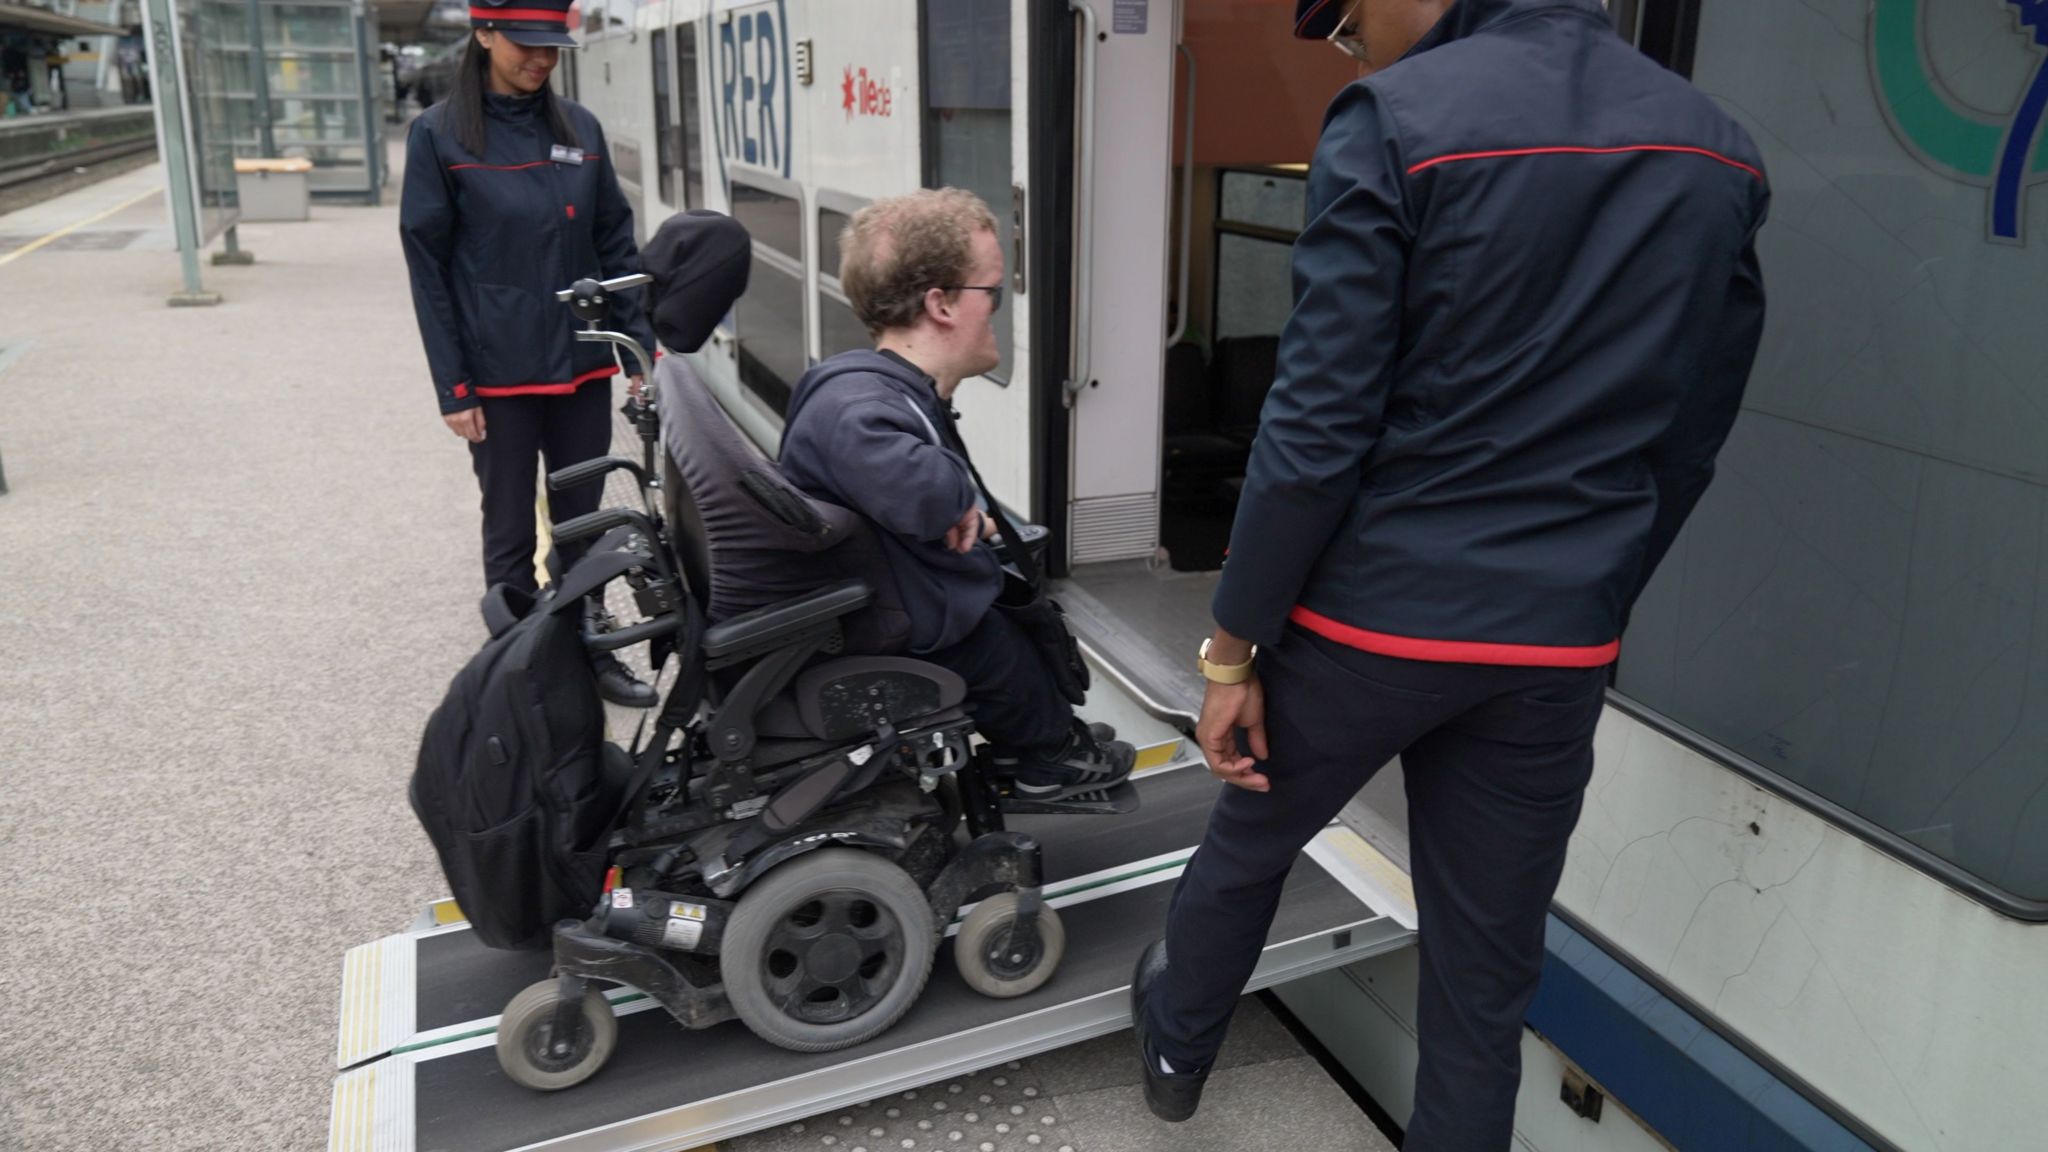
(1346, 36)
(995, 293)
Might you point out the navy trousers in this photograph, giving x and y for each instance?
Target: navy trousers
(1011, 693)
(1496, 761)
(520, 432)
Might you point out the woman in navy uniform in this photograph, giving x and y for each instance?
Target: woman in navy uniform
(509, 197)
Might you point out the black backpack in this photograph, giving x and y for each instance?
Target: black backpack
(515, 783)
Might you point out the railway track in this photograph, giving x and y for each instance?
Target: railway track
(23, 183)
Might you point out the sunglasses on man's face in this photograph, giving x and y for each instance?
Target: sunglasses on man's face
(995, 293)
(1346, 37)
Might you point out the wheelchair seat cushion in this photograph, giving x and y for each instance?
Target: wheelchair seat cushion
(848, 698)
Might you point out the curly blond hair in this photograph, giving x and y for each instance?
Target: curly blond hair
(894, 251)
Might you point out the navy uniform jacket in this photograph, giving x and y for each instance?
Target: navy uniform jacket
(1526, 304)
(867, 430)
(490, 239)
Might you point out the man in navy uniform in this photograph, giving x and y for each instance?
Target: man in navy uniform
(1526, 304)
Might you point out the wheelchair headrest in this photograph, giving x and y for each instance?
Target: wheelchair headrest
(699, 260)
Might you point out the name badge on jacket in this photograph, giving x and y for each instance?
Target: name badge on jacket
(561, 155)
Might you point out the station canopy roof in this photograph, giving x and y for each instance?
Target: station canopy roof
(28, 18)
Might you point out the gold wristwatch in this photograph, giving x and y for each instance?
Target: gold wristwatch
(1225, 673)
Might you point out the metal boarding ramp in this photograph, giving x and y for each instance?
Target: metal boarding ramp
(419, 1010)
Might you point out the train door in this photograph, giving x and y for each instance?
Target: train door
(1204, 115)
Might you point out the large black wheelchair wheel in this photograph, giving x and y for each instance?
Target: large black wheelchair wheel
(827, 950)
(534, 1057)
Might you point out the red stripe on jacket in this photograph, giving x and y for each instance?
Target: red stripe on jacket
(522, 167)
(1565, 150)
(1456, 651)
(548, 15)
(549, 389)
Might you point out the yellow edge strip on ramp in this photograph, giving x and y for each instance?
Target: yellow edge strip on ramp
(362, 984)
(1381, 876)
(353, 1126)
(66, 230)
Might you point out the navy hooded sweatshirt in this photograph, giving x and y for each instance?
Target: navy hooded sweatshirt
(1526, 304)
(867, 430)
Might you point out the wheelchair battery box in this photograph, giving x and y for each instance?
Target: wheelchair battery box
(664, 920)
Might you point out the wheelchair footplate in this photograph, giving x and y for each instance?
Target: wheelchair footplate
(1120, 799)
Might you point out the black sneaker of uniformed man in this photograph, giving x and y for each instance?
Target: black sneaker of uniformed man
(1170, 1092)
(617, 684)
(1084, 763)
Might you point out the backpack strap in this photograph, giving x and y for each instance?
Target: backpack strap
(503, 607)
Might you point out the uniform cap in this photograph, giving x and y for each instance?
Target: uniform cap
(532, 23)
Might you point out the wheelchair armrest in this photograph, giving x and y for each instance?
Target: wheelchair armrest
(589, 470)
(766, 627)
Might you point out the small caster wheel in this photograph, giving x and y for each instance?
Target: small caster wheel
(987, 959)
(527, 1047)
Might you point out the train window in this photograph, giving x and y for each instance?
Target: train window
(690, 130)
(1258, 217)
(967, 115)
(1857, 605)
(1264, 200)
(769, 217)
(770, 314)
(839, 330)
(664, 141)
(830, 225)
(565, 76)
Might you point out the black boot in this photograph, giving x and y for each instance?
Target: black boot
(617, 684)
(1172, 1096)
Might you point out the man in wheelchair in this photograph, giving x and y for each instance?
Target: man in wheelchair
(783, 846)
(874, 431)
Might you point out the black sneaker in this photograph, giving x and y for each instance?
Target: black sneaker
(1172, 1096)
(617, 684)
(1080, 766)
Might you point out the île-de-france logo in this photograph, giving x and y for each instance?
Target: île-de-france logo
(863, 95)
(1998, 150)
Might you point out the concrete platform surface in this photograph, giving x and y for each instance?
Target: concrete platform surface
(238, 564)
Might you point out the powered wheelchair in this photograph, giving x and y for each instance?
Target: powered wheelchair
(792, 851)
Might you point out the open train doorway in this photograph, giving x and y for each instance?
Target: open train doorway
(1184, 320)
(1249, 105)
